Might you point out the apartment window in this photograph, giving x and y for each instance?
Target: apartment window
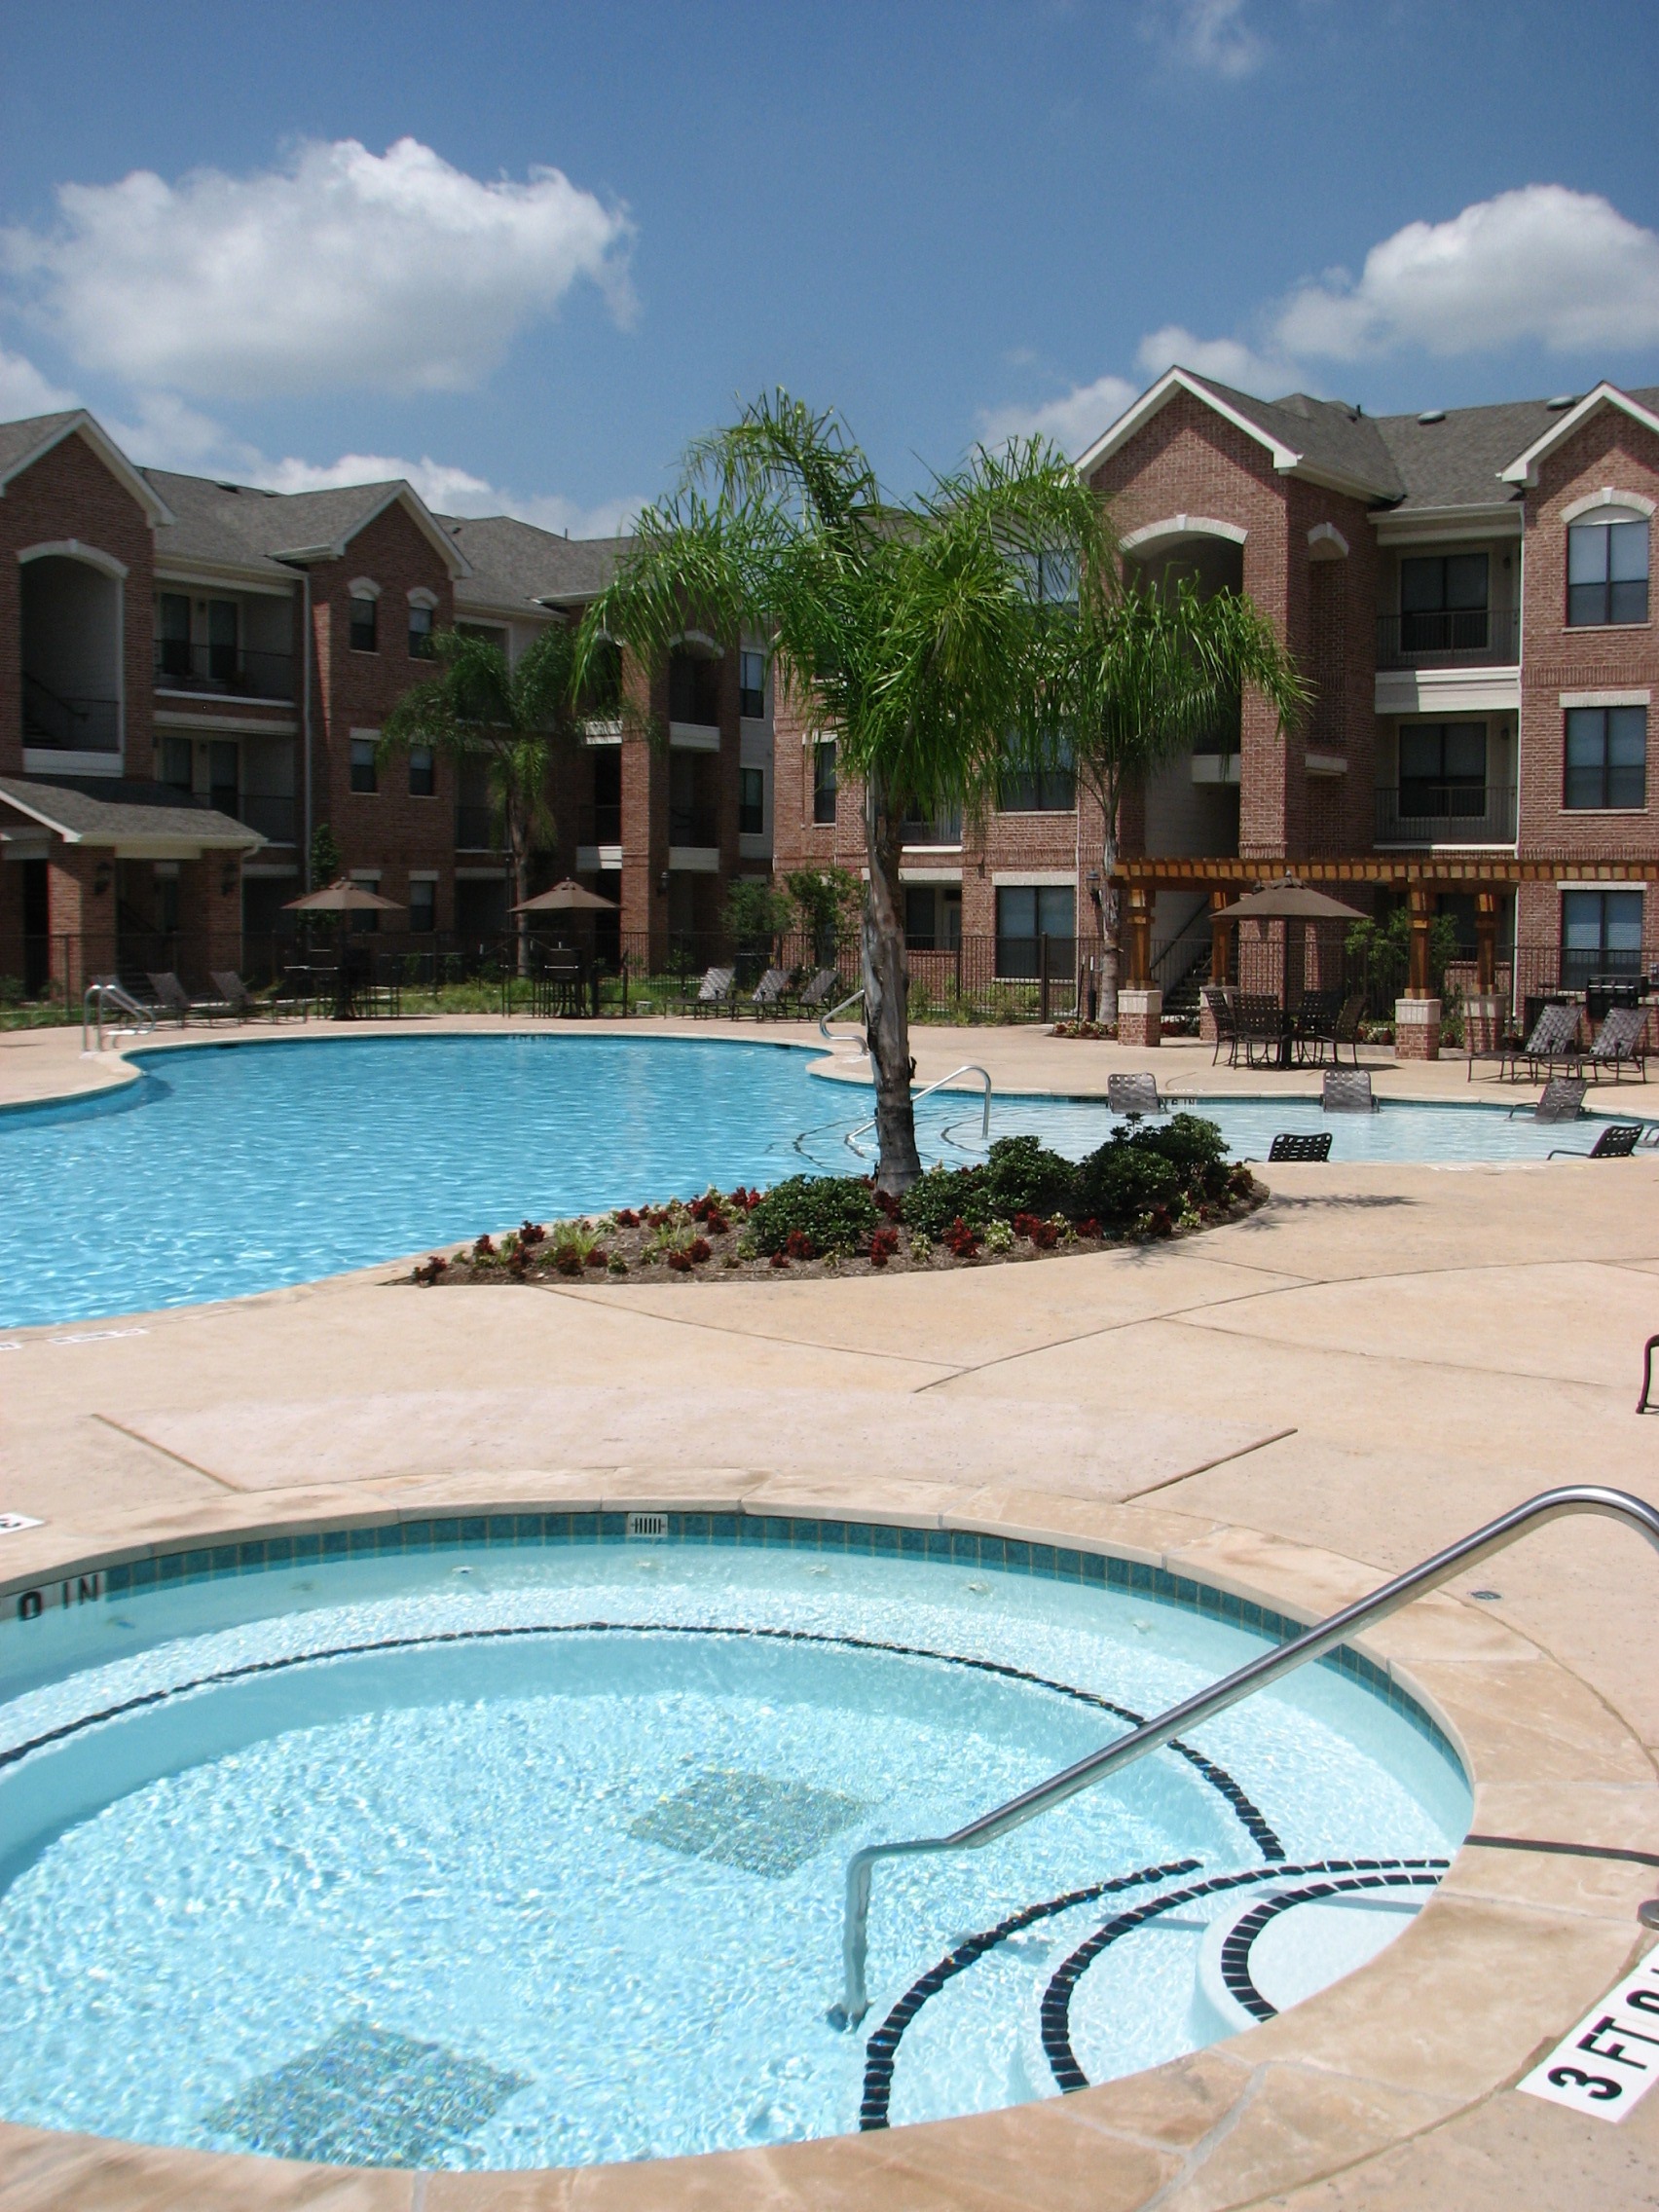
(1606, 572)
(221, 639)
(752, 684)
(224, 774)
(1601, 935)
(824, 780)
(422, 905)
(751, 801)
(179, 762)
(1443, 602)
(172, 634)
(1607, 756)
(363, 777)
(1038, 790)
(933, 916)
(364, 620)
(1443, 769)
(1028, 912)
(419, 633)
(693, 689)
(422, 772)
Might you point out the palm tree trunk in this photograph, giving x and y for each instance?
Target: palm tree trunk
(886, 1012)
(518, 832)
(1111, 928)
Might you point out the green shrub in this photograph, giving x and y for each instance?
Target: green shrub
(1023, 1176)
(1195, 1148)
(1123, 1181)
(835, 1211)
(945, 1194)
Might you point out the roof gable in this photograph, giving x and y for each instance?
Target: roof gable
(336, 518)
(1523, 468)
(22, 444)
(1317, 438)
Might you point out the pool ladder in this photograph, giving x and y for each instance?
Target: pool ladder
(967, 1067)
(105, 996)
(1205, 1705)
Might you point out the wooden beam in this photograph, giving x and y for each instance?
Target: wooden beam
(1502, 869)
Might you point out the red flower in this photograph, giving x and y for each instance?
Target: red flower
(780, 1259)
(961, 1240)
(702, 1251)
(568, 1260)
(883, 1244)
(599, 1257)
(680, 1262)
(530, 1234)
(436, 1267)
(627, 1218)
(483, 1249)
(1089, 1228)
(799, 1246)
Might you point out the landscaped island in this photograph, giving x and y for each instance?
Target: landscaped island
(1023, 1203)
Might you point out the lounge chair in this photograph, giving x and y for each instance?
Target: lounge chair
(1505, 1051)
(1617, 1141)
(771, 994)
(1221, 1002)
(171, 998)
(1647, 1351)
(1554, 1037)
(1621, 1043)
(1562, 1100)
(1289, 1144)
(1134, 1094)
(1347, 1090)
(821, 993)
(714, 994)
(236, 995)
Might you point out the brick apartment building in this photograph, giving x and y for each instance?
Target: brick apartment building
(1468, 591)
(193, 676)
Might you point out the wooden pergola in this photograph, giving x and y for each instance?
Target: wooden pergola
(1421, 878)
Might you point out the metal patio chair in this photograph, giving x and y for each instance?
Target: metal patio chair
(1621, 1043)
(1222, 1000)
(1290, 1144)
(1562, 1100)
(1347, 1090)
(1134, 1094)
(1554, 1038)
(1617, 1141)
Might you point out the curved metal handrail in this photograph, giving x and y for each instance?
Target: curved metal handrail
(99, 998)
(825, 1020)
(1191, 1711)
(967, 1067)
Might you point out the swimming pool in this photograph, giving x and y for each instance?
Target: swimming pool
(230, 1169)
(520, 1841)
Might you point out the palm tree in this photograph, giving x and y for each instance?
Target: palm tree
(514, 717)
(907, 630)
(1135, 675)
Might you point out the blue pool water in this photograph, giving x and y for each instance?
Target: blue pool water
(233, 1169)
(513, 1846)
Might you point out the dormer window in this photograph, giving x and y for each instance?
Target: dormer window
(363, 623)
(1607, 570)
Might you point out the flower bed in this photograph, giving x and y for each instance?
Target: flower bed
(1023, 1203)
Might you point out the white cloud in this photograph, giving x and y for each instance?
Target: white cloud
(24, 391)
(1229, 360)
(1211, 35)
(340, 268)
(1072, 420)
(1543, 264)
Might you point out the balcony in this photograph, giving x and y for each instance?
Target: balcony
(1462, 636)
(223, 671)
(601, 824)
(1446, 814)
(56, 723)
(944, 829)
(476, 830)
(271, 814)
(690, 826)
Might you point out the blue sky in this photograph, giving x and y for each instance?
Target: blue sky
(279, 243)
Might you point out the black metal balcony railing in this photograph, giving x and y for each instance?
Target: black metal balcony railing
(69, 725)
(273, 814)
(477, 829)
(601, 824)
(1415, 813)
(1460, 637)
(944, 829)
(234, 671)
(693, 825)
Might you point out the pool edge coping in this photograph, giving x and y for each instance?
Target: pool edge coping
(1363, 2041)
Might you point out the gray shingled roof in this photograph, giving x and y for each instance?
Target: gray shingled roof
(1458, 463)
(19, 438)
(1330, 435)
(516, 565)
(100, 810)
(235, 524)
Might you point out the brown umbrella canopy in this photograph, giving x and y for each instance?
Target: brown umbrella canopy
(568, 897)
(343, 896)
(1287, 901)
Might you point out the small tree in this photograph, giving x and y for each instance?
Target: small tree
(907, 630)
(514, 717)
(1383, 951)
(827, 902)
(757, 914)
(1135, 675)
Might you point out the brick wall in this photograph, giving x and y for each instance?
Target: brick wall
(69, 493)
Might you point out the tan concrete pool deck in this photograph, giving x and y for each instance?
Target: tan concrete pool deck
(1292, 1407)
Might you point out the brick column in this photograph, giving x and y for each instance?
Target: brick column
(1482, 1021)
(1140, 1015)
(209, 914)
(81, 918)
(1417, 1029)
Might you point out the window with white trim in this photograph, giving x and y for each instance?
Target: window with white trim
(824, 781)
(363, 624)
(363, 776)
(1601, 935)
(750, 802)
(752, 685)
(419, 631)
(1606, 757)
(1606, 571)
(422, 772)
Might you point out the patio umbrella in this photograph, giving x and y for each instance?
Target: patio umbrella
(1287, 901)
(343, 896)
(568, 897)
